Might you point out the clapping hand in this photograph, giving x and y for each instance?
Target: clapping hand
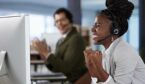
(93, 61)
(42, 48)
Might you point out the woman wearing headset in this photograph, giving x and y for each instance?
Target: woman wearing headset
(120, 63)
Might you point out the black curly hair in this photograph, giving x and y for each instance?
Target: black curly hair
(118, 11)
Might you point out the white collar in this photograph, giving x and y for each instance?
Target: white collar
(109, 50)
(108, 53)
(65, 34)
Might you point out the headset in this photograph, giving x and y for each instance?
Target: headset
(115, 27)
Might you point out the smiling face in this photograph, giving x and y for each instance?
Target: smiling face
(62, 22)
(101, 30)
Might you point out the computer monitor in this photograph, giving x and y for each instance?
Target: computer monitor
(14, 38)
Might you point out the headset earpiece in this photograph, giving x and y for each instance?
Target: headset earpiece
(116, 31)
(115, 28)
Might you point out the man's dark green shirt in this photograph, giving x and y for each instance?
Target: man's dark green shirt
(68, 57)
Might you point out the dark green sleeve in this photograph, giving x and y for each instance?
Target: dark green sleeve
(72, 57)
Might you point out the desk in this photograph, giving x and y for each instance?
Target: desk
(48, 76)
(34, 55)
(35, 59)
(41, 62)
(36, 63)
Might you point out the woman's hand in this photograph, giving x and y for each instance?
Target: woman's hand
(93, 61)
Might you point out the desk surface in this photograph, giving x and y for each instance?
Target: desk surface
(34, 55)
(48, 76)
(37, 62)
(60, 78)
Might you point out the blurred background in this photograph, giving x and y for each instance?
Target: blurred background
(84, 11)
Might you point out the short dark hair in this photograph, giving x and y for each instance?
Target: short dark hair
(67, 13)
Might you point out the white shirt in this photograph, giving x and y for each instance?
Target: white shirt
(105, 62)
(123, 64)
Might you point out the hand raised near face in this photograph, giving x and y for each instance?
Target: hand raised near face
(42, 48)
(93, 61)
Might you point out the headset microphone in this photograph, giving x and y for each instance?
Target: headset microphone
(104, 38)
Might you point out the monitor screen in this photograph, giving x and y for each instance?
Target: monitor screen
(14, 38)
